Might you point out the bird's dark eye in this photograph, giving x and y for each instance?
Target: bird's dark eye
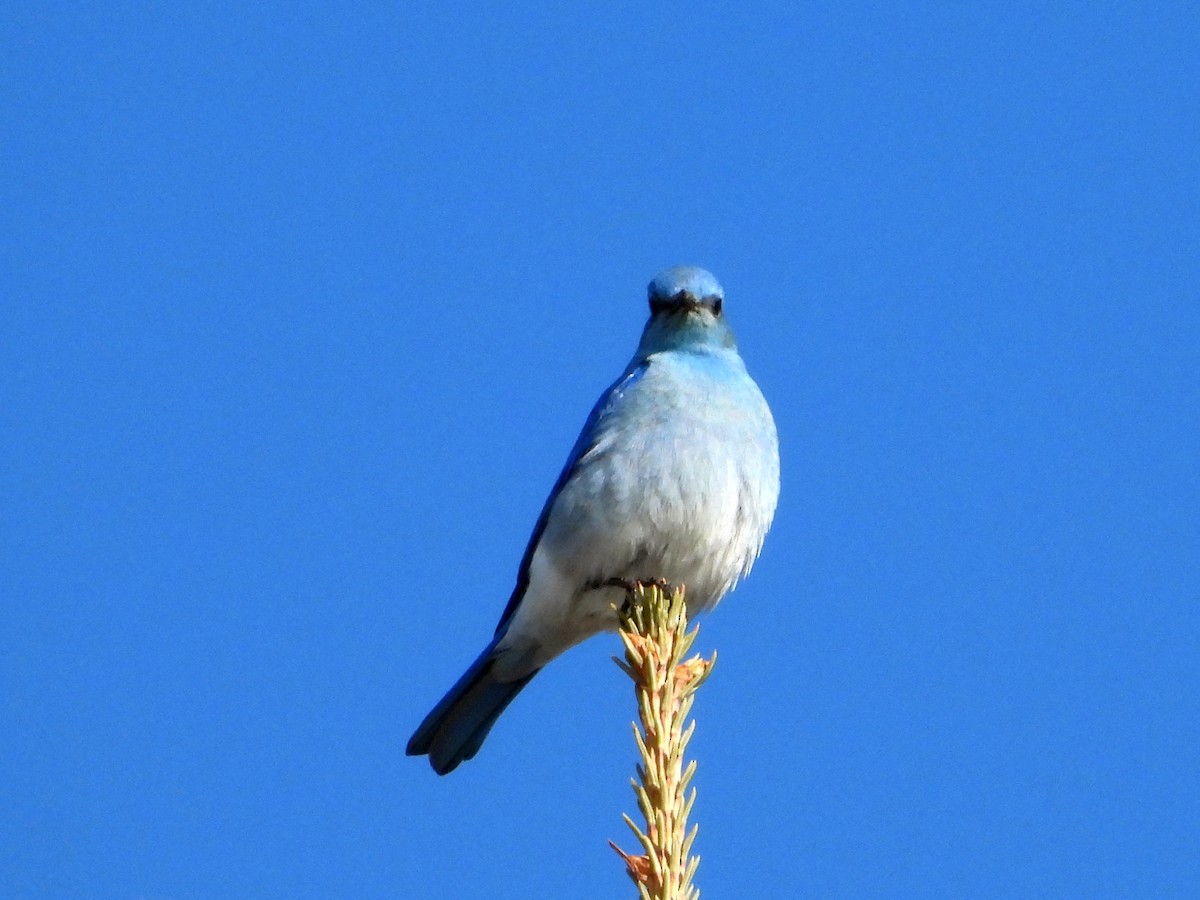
(717, 307)
(680, 298)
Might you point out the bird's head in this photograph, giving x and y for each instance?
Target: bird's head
(686, 312)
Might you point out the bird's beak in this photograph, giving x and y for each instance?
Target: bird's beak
(686, 305)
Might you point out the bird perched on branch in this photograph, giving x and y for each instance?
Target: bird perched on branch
(674, 477)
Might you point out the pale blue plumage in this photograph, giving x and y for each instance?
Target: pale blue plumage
(675, 475)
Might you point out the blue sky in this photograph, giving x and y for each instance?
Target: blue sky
(305, 305)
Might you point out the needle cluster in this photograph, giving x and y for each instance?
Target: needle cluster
(654, 630)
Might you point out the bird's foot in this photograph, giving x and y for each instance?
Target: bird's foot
(630, 586)
(624, 584)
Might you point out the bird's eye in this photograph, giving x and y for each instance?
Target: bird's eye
(680, 298)
(717, 307)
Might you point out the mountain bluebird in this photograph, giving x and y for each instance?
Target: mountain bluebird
(674, 476)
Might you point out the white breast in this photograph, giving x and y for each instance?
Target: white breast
(681, 484)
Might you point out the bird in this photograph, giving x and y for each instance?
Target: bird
(674, 478)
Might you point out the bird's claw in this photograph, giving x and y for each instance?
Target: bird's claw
(629, 586)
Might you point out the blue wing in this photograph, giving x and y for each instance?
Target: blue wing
(456, 728)
(584, 443)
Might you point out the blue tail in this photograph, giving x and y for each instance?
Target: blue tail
(455, 729)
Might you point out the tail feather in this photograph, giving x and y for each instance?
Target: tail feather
(455, 729)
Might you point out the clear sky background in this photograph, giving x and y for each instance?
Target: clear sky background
(303, 307)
